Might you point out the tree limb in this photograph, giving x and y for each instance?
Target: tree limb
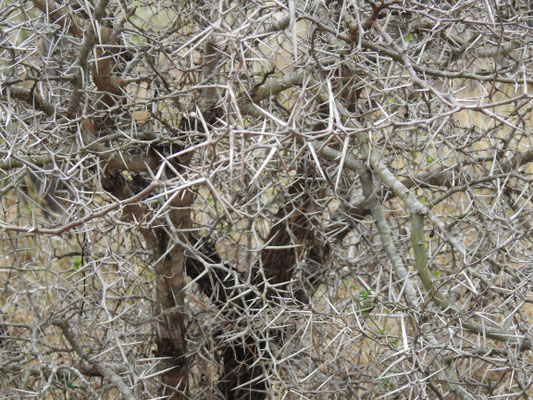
(106, 371)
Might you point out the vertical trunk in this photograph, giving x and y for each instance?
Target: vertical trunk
(170, 281)
(170, 329)
(170, 278)
(295, 228)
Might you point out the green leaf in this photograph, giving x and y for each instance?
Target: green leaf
(430, 159)
(77, 262)
(409, 37)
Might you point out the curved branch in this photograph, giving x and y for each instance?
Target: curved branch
(57, 15)
(29, 96)
(102, 368)
(409, 290)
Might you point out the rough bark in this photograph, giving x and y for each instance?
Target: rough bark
(170, 328)
(170, 280)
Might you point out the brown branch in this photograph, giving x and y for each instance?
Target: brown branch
(57, 15)
(105, 371)
(14, 162)
(289, 236)
(104, 63)
(376, 10)
(89, 39)
(29, 96)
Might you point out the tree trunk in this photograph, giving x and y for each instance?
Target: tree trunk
(170, 281)
(170, 340)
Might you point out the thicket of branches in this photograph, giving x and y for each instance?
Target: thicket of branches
(251, 199)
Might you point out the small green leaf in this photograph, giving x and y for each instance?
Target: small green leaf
(77, 262)
(409, 37)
